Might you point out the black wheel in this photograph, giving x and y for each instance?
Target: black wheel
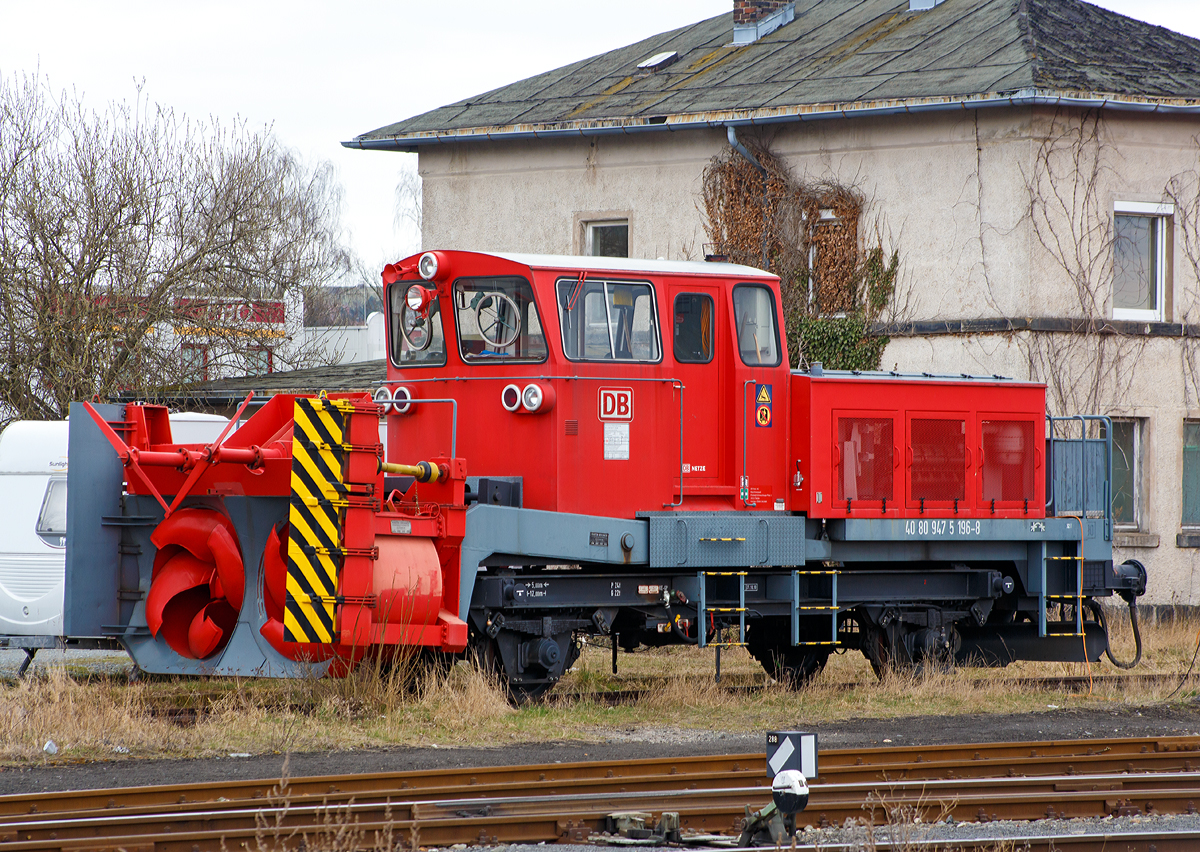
(491, 654)
(900, 648)
(769, 642)
(407, 668)
(886, 650)
(794, 667)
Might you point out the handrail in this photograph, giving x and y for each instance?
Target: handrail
(664, 380)
(744, 490)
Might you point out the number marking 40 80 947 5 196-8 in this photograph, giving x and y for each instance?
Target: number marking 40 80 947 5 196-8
(937, 526)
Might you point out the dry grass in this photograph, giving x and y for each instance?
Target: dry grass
(106, 718)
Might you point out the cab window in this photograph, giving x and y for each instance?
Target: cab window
(496, 319)
(694, 326)
(608, 320)
(417, 336)
(757, 329)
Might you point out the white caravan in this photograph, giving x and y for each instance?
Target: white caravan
(33, 520)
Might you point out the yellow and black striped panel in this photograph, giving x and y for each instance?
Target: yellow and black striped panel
(315, 520)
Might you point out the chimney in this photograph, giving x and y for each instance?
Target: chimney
(922, 5)
(753, 19)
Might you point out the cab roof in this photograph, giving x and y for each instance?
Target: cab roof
(623, 264)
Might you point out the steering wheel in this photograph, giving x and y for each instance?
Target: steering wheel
(416, 330)
(498, 318)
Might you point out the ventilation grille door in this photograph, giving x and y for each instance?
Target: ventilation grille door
(939, 460)
(866, 450)
(1008, 462)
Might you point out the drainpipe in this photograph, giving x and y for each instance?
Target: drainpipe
(745, 152)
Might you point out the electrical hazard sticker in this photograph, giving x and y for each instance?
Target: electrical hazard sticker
(762, 405)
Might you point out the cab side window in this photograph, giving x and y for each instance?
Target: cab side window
(608, 320)
(757, 328)
(694, 327)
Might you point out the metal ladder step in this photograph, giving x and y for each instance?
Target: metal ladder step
(831, 608)
(703, 609)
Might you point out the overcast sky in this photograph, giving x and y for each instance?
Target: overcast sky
(321, 73)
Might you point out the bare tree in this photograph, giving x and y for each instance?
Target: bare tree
(409, 200)
(139, 250)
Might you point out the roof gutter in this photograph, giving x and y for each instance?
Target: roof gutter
(740, 118)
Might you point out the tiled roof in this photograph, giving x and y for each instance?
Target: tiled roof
(359, 376)
(836, 55)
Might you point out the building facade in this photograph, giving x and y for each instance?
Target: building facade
(1033, 163)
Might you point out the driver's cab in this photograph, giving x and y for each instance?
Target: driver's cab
(609, 386)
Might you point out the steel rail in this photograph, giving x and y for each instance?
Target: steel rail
(538, 818)
(837, 766)
(450, 806)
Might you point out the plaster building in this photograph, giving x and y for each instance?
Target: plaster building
(1034, 163)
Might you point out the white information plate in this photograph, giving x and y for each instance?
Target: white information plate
(616, 441)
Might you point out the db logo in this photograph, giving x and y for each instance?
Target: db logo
(616, 403)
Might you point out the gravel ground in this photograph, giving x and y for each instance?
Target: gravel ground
(1005, 829)
(1006, 832)
(633, 743)
(613, 744)
(111, 662)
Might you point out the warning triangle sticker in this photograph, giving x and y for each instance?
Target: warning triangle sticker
(764, 393)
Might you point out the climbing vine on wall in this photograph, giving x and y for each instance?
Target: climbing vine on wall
(834, 286)
(1092, 368)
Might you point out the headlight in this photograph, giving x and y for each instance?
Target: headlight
(383, 397)
(400, 403)
(427, 266)
(532, 397)
(415, 297)
(510, 398)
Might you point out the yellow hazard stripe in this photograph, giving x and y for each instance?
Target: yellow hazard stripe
(317, 480)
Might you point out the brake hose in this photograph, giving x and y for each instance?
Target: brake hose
(1098, 611)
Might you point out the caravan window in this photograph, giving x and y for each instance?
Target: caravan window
(52, 520)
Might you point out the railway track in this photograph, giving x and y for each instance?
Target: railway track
(574, 801)
(754, 685)
(197, 705)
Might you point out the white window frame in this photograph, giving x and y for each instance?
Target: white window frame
(1162, 214)
(589, 232)
(826, 214)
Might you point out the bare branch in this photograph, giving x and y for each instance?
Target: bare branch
(132, 239)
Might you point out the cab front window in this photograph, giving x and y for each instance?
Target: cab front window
(497, 320)
(608, 320)
(417, 338)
